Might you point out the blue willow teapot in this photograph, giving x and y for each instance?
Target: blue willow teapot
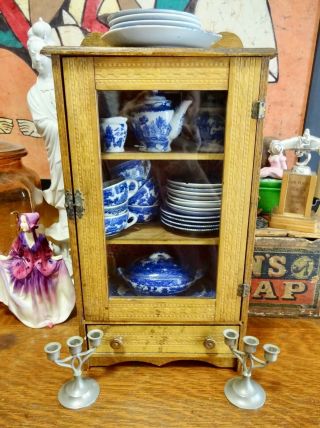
(156, 124)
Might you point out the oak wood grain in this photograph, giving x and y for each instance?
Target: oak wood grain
(177, 395)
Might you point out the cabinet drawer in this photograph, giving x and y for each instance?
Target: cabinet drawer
(155, 339)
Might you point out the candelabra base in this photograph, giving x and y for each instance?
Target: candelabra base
(78, 393)
(245, 393)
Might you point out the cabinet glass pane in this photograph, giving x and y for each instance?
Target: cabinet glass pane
(162, 166)
(202, 114)
(132, 273)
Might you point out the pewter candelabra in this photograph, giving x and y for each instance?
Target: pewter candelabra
(242, 391)
(80, 391)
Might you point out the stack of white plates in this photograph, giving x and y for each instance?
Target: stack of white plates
(157, 27)
(192, 207)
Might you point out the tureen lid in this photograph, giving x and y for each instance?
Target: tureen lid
(158, 265)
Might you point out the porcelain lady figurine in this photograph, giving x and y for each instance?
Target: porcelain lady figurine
(35, 285)
(42, 105)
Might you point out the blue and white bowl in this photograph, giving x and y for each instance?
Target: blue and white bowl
(148, 194)
(138, 170)
(158, 275)
(144, 213)
(115, 224)
(118, 191)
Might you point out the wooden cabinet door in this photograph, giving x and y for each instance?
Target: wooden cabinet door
(240, 77)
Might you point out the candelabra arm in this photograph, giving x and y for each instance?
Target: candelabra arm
(63, 363)
(261, 364)
(239, 354)
(86, 355)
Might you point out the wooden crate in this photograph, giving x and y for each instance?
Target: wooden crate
(285, 275)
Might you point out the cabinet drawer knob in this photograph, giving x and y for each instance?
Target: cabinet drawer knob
(209, 343)
(116, 342)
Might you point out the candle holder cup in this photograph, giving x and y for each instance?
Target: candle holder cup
(242, 391)
(80, 391)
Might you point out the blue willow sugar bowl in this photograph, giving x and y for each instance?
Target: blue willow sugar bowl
(155, 123)
(158, 275)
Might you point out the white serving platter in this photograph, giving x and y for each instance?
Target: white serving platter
(160, 35)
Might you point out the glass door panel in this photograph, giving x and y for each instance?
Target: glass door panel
(162, 168)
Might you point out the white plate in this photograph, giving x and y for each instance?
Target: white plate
(156, 22)
(153, 12)
(188, 229)
(160, 35)
(167, 210)
(200, 223)
(196, 211)
(197, 196)
(188, 190)
(195, 204)
(190, 225)
(198, 186)
(152, 17)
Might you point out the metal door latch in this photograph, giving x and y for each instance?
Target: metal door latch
(258, 110)
(74, 204)
(244, 290)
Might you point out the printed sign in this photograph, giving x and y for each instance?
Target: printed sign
(286, 278)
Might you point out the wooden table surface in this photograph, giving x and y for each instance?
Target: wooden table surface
(186, 394)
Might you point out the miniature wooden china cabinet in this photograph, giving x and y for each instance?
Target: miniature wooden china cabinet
(161, 156)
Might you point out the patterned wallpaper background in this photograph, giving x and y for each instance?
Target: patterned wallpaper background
(291, 25)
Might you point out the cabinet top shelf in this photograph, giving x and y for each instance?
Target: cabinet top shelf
(155, 51)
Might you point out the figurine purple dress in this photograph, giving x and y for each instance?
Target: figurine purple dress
(35, 285)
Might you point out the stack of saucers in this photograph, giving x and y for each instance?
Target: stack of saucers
(157, 27)
(192, 207)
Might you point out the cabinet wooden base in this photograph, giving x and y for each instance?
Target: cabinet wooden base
(217, 360)
(161, 344)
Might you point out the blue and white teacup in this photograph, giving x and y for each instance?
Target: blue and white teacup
(148, 194)
(118, 191)
(114, 210)
(115, 224)
(138, 170)
(144, 213)
(114, 133)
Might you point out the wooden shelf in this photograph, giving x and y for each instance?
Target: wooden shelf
(155, 233)
(162, 156)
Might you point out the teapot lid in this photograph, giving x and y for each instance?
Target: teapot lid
(155, 103)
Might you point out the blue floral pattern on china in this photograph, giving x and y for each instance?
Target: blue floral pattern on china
(211, 128)
(138, 170)
(113, 210)
(114, 137)
(148, 194)
(144, 213)
(158, 275)
(153, 133)
(115, 224)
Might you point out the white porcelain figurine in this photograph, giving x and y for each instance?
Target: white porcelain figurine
(42, 105)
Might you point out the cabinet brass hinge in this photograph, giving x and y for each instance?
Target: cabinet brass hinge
(244, 290)
(74, 204)
(258, 110)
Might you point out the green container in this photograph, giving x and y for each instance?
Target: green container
(269, 194)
